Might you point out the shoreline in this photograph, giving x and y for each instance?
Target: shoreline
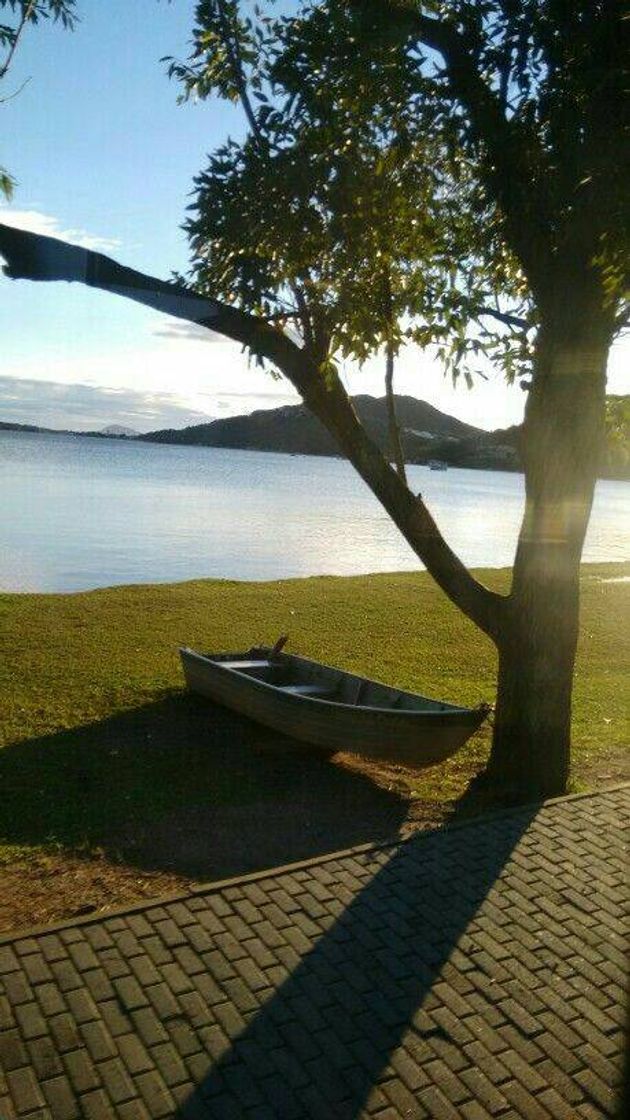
(484, 573)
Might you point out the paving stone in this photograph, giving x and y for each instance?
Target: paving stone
(7, 1110)
(127, 944)
(139, 925)
(64, 1032)
(12, 1050)
(177, 981)
(16, 988)
(114, 1019)
(82, 1006)
(83, 956)
(98, 984)
(436, 1104)
(36, 968)
(96, 1106)
(183, 1037)
(600, 1093)
(61, 1100)
(556, 1106)
(525, 1104)
(44, 1058)
(162, 1000)
(170, 933)
(144, 970)
(133, 1054)
(98, 937)
(157, 951)
(155, 1094)
(81, 1071)
(195, 1006)
(132, 1110)
(215, 1041)
(66, 975)
(52, 947)
(25, 1092)
(116, 1081)
(170, 1065)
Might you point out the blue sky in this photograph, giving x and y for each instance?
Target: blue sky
(104, 156)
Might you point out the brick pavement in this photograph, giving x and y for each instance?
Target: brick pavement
(472, 972)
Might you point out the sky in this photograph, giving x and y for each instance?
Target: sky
(105, 157)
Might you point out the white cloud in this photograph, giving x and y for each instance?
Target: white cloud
(35, 221)
(82, 406)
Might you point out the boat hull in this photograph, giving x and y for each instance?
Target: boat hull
(422, 737)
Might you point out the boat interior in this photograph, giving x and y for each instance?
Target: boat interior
(299, 677)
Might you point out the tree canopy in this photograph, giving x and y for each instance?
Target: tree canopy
(346, 210)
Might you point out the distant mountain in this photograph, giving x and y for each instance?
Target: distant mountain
(118, 430)
(426, 434)
(9, 426)
(293, 428)
(113, 431)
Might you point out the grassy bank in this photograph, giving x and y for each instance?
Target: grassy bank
(97, 732)
(72, 660)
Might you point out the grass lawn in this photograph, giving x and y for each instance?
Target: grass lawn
(98, 736)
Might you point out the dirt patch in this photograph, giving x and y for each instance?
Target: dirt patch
(53, 886)
(607, 768)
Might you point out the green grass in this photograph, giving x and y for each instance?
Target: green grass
(96, 730)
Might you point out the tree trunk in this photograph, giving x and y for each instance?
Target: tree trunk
(394, 449)
(562, 442)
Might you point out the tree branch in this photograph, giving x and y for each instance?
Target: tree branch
(16, 92)
(231, 44)
(504, 317)
(35, 257)
(512, 179)
(26, 15)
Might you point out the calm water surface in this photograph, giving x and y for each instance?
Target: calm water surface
(82, 513)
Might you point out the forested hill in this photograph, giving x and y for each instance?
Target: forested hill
(293, 428)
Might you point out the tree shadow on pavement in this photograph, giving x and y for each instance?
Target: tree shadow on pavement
(320, 1045)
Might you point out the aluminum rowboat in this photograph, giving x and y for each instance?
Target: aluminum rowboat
(328, 708)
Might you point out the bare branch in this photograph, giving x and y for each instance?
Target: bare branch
(504, 317)
(26, 15)
(230, 40)
(16, 92)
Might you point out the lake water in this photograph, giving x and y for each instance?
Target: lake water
(83, 513)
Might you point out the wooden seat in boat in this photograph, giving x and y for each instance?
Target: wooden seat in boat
(306, 689)
(259, 668)
(242, 664)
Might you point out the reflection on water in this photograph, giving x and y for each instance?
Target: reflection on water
(81, 513)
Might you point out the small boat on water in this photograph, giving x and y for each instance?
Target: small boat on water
(437, 465)
(329, 708)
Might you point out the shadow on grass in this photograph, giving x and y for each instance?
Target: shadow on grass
(376, 981)
(183, 786)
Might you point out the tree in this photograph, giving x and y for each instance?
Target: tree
(520, 91)
(329, 199)
(25, 12)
